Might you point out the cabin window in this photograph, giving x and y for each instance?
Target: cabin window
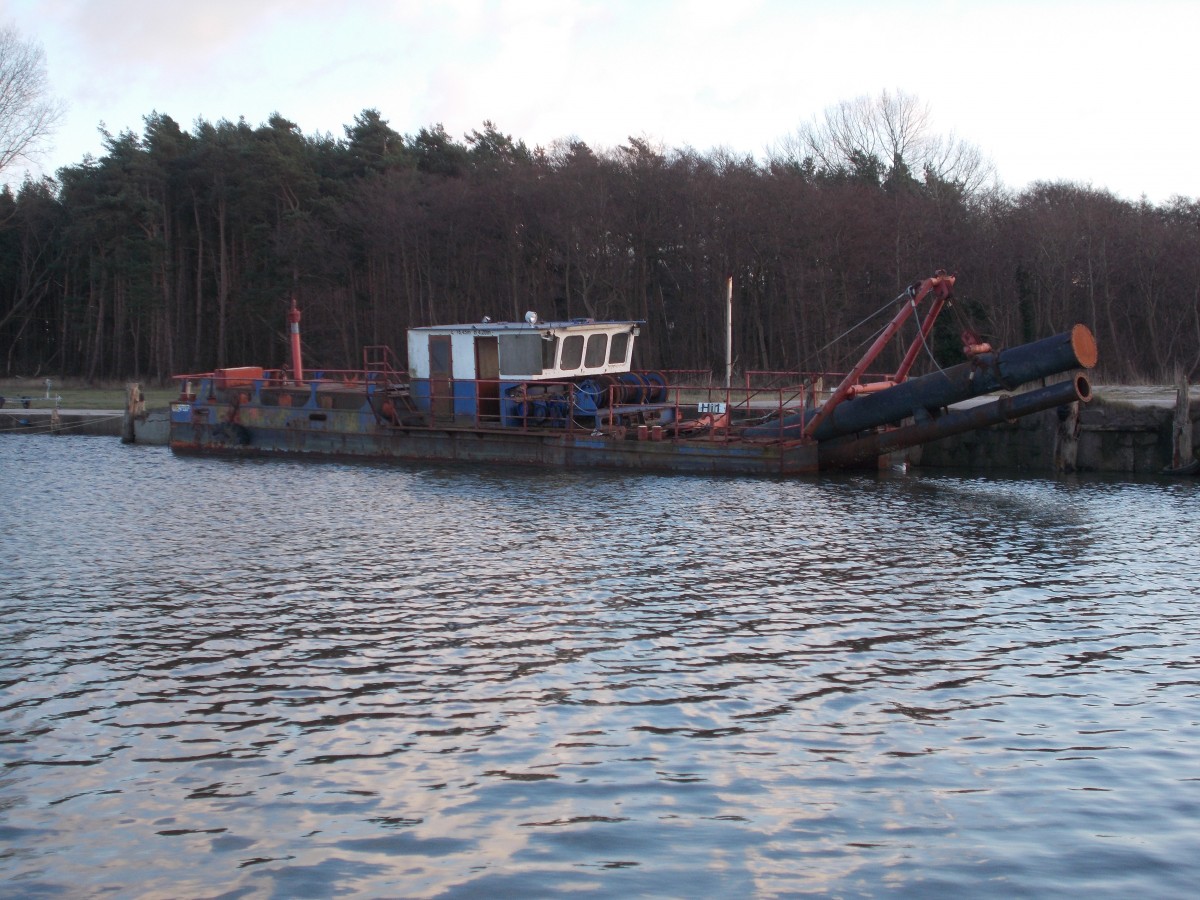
(572, 352)
(618, 350)
(549, 351)
(521, 354)
(597, 344)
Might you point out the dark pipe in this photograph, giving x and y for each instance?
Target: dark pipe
(1006, 370)
(850, 451)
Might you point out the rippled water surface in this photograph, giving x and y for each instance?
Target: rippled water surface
(271, 679)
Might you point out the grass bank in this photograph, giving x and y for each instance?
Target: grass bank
(75, 394)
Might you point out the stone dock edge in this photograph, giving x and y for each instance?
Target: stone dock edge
(1137, 430)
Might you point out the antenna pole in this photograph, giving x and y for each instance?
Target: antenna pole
(728, 331)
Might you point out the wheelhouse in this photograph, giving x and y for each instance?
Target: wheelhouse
(462, 370)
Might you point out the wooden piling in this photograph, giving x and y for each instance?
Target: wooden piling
(1181, 426)
(135, 409)
(1066, 439)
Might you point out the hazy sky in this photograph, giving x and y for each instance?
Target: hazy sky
(1100, 92)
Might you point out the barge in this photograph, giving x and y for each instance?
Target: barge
(565, 394)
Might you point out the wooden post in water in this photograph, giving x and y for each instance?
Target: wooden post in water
(135, 408)
(1066, 439)
(1181, 427)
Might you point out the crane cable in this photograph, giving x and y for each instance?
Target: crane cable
(852, 328)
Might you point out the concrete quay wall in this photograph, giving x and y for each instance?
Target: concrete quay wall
(1122, 430)
(150, 429)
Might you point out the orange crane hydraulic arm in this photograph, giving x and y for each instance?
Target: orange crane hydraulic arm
(941, 286)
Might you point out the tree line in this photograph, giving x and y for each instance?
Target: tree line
(178, 251)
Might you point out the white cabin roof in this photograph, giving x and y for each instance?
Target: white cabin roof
(497, 328)
(523, 351)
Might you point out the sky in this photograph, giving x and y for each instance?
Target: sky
(1099, 93)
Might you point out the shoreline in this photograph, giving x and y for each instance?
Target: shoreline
(149, 428)
(1124, 429)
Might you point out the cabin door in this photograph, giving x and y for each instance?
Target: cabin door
(487, 374)
(441, 371)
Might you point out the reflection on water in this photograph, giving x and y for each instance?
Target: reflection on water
(276, 679)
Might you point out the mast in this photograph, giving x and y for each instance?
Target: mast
(294, 332)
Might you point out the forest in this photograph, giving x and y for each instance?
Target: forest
(179, 251)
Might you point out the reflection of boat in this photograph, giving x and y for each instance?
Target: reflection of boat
(565, 394)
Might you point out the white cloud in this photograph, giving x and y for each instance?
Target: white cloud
(1096, 92)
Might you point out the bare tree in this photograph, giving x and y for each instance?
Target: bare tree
(27, 118)
(893, 129)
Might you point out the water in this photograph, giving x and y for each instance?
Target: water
(270, 679)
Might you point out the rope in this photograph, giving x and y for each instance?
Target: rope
(57, 429)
